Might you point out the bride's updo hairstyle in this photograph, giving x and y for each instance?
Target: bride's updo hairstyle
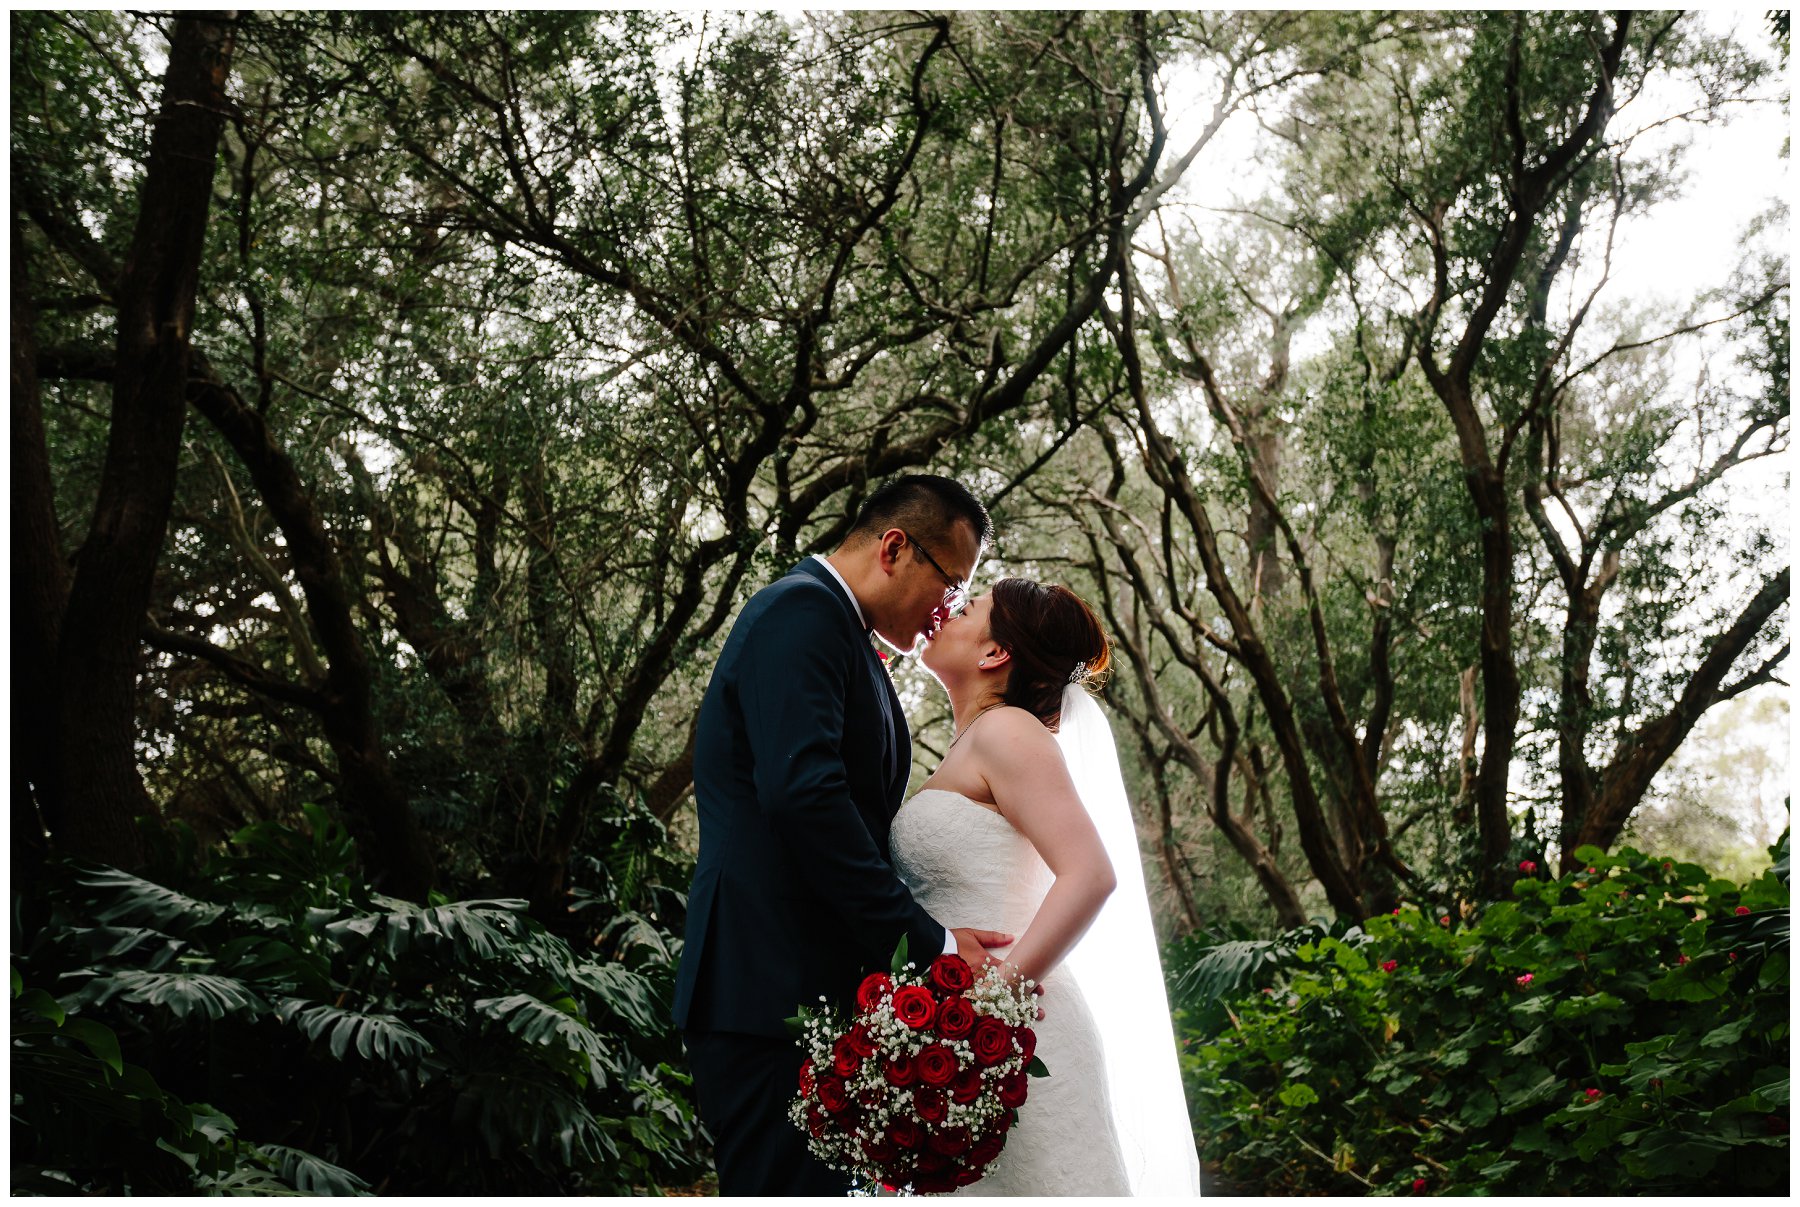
(1054, 639)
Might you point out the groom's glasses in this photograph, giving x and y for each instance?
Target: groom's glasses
(957, 593)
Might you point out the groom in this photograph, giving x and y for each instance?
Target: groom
(800, 763)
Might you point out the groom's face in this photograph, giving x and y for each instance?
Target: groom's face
(920, 587)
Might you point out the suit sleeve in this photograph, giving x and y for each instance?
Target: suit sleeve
(792, 689)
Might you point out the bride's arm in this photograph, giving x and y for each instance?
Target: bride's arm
(1030, 783)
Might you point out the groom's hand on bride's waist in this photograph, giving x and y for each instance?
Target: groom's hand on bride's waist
(972, 945)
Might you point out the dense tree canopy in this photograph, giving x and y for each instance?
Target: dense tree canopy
(523, 346)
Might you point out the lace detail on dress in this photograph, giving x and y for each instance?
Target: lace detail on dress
(967, 866)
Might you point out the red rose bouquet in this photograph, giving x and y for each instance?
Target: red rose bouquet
(919, 1090)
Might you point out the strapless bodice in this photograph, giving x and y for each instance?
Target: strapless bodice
(966, 864)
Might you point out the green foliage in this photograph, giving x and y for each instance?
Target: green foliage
(1622, 1029)
(266, 1025)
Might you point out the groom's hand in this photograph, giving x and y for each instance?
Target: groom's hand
(972, 945)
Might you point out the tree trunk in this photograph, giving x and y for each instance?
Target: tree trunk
(97, 778)
(40, 588)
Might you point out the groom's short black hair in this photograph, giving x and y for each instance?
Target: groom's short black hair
(925, 504)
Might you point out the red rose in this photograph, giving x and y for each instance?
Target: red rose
(934, 1183)
(843, 1057)
(931, 1104)
(861, 1042)
(914, 1006)
(815, 1121)
(1006, 1120)
(986, 1151)
(932, 1161)
(905, 1133)
(967, 1086)
(880, 1149)
(956, 1017)
(992, 1041)
(967, 1176)
(832, 1094)
(1027, 1041)
(871, 991)
(952, 974)
(951, 1141)
(1012, 1089)
(900, 1071)
(806, 1076)
(937, 1065)
(871, 1095)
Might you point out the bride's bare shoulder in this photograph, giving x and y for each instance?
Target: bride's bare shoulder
(1012, 731)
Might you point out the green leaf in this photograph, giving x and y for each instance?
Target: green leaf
(382, 1037)
(898, 963)
(312, 1175)
(1037, 1067)
(182, 994)
(97, 1038)
(1298, 1095)
(539, 1023)
(1729, 1033)
(37, 1002)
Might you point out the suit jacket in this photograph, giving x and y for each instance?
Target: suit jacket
(800, 761)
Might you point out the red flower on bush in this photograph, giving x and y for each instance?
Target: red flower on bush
(1522, 980)
(1593, 1095)
(937, 1065)
(992, 1041)
(1681, 959)
(914, 1006)
(874, 987)
(1527, 866)
(1389, 965)
(1418, 1185)
(1444, 921)
(1741, 910)
(955, 1018)
(952, 974)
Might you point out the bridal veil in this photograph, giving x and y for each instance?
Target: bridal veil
(1120, 973)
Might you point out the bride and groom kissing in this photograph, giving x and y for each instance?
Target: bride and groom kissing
(1019, 848)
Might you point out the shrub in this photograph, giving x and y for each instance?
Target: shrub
(1619, 1030)
(293, 1030)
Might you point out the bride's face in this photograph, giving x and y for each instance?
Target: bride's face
(961, 643)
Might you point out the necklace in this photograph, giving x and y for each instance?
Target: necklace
(966, 729)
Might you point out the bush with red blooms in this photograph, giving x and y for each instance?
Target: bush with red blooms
(917, 1092)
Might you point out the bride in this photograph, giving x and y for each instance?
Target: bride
(1024, 828)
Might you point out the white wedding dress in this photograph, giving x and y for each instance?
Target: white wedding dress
(967, 866)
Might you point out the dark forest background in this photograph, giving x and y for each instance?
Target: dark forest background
(403, 405)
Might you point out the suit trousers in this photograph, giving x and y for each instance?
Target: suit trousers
(742, 1085)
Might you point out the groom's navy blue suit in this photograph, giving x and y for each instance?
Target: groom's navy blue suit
(800, 761)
